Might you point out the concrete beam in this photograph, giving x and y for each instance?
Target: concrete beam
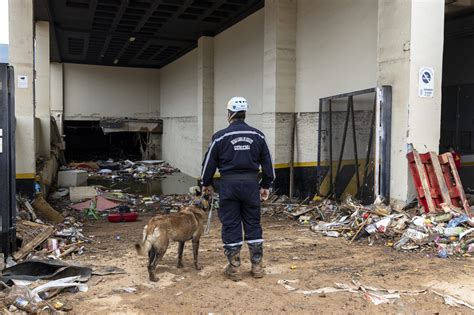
(42, 88)
(410, 36)
(205, 91)
(21, 28)
(279, 76)
(57, 94)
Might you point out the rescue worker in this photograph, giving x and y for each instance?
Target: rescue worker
(239, 151)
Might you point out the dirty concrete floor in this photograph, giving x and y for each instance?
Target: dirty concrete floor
(318, 262)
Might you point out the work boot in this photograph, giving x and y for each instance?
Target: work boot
(232, 268)
(256, 255)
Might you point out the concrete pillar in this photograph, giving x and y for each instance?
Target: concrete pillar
(21, 29)
(42, 88)
(279, 76)
(205, 91)
(410, 37)
(57, 94)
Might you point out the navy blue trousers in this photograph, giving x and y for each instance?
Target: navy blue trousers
(239, 206)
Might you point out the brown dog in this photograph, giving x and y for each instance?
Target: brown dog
(180, 227)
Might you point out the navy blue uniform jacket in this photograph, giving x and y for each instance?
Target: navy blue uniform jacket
(238, 149)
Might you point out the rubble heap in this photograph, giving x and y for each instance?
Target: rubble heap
(448, 233)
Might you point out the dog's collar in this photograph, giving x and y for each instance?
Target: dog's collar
(198, 203)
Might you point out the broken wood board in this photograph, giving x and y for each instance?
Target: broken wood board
(300, 212)
(33, 235)
(46, 212)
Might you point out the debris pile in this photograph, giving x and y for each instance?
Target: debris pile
(125, 170)
(448, 233)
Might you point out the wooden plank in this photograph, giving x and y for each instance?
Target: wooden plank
(301, 212)
(424, 181)
(459, 187)
(440, 178)
(36, 241)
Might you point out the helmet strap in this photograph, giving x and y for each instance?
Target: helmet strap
(230, 116)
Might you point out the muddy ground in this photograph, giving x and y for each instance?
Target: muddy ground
(291, 252)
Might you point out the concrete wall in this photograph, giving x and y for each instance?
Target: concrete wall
(42, 89)
(335, 53)
(410, 36)
(178, 87)
(57, 93)
(178, 98)
(238, 71)
(92, 92)
(21, 30)
(238, 68)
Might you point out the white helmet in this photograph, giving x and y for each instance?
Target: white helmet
(237, 104)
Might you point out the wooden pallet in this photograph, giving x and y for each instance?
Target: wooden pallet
(437, 181)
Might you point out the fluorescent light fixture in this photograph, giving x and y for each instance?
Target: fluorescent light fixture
(116, 61)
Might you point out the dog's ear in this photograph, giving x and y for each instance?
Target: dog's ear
(205, 202)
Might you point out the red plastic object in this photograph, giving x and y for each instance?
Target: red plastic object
(122, 217)
(437, 181)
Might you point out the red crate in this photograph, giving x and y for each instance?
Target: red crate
(437, 181)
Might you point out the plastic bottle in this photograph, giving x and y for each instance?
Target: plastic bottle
(458, 220)
(453, 231)
(443, 217)
(26, 306)
(442, 253)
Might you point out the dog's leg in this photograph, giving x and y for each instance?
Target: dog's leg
(195, 254)
(180, 254)
(152, 262)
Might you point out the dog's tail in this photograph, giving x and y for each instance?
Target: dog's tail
(145, 246)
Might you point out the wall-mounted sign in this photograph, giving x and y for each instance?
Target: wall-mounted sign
(22, 82)
(426, 82)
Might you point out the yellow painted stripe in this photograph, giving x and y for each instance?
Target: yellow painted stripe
(308, 164)
(25, 176)
(467, 163)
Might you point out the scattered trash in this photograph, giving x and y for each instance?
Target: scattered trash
(447, 234)
(99, 203)
(126, 290)
(450, 300)
(372, 294)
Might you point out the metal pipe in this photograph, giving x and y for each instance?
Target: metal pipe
(320, 120)
(369, 149)
(344, 135)
(360, 92)
(354, 137)
(330, 149)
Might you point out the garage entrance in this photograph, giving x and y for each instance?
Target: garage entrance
(457, 114)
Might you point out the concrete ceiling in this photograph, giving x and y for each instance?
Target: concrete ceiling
(135, 33)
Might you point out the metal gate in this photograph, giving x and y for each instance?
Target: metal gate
(7, 161)
(354, 144)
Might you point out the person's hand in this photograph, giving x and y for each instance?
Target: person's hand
(264, 194)
(207, 190)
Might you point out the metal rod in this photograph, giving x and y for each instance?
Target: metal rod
(344, 135)
(369, 148)
(354, 137)
(320, 119)
(330, 148)
(386, 133)
(366, 91)
(292, 157)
